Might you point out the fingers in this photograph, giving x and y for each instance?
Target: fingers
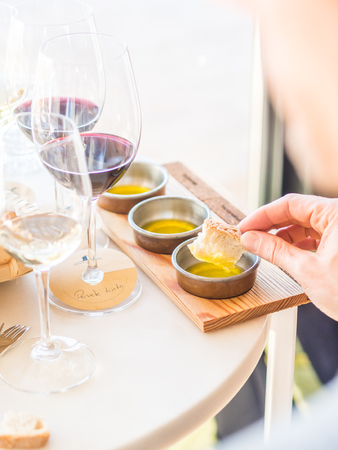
(297, 233)
(309, 211)
(277, 251)
(308, 244)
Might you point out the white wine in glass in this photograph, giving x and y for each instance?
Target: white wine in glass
(42, 237)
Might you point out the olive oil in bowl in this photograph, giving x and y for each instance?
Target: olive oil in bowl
(128, 189)
(169, 226)
(205, 269)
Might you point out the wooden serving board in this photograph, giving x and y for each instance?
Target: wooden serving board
(273, 290)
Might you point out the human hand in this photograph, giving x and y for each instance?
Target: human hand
(305, 224)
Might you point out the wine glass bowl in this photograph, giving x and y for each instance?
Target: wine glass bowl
(32, 23)
(83, 112)
(108, 159)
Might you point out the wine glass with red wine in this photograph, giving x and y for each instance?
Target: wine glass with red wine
(41, 237)
(32, 23)
(65, 66)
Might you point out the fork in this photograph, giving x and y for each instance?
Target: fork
(11, 335)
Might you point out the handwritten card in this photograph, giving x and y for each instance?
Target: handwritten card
(119, 280)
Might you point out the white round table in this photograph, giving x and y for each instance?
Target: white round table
(158, 377)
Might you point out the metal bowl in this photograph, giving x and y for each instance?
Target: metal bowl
(213, 287)
(152, 176)
(158, 208)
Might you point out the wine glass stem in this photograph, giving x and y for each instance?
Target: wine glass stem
(57, 197)
(45, 349)
(92, 274)
(42, 278)
(92, 261)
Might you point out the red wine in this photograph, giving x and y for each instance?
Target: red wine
(108, 158)
(84, 113)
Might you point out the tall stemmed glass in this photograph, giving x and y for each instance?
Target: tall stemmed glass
(41, 237)
(112, 147)
(32, 23)
(61, 86)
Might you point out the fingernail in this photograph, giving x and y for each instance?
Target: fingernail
(250, 241)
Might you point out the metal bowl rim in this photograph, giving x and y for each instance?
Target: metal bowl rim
(209, 279)
(162, 235)
(142, 194)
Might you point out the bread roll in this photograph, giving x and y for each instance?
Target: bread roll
(23, 430)
(218, 243)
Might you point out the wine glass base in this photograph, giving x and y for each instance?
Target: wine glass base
(93, 276)
(118, 290)
(73, 367)
(135, 295)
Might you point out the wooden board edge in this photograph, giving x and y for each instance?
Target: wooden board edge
(216, 202)
(216, 324)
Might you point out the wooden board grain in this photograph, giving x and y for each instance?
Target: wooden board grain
(219, 205)
(272, 291)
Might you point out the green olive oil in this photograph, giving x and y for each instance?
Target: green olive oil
(128, 190)
(169, 226)
(205, 269)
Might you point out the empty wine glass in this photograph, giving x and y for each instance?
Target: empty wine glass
(41, 236)
(112, 147)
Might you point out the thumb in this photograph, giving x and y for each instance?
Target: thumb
(277, 251)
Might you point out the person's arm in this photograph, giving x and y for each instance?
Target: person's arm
(305, 245)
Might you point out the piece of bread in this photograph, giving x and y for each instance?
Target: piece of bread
(23, 430)
(218, 243)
